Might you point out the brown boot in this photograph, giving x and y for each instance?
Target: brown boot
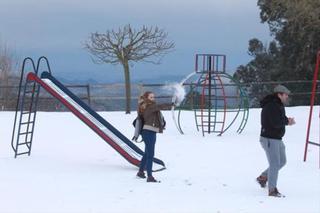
(141, 174)
(262, 180)
(151, 179)
(275, 193)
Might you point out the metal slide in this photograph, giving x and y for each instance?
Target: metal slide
(98, 124)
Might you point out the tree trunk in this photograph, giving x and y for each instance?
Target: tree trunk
(4, 82)
(128, 86)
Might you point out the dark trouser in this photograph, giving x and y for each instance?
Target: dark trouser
(149, 138)
(276, 155)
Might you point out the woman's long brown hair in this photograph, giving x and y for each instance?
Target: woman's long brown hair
(144, 102)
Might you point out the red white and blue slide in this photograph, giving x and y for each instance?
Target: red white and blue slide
(92, 119)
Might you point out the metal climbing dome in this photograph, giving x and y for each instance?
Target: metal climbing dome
(216, 98)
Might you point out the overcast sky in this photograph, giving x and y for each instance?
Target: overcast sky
(58, 28)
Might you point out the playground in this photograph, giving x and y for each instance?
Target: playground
(71, 169)
(69, 142)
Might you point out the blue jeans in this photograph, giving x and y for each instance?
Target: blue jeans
(149, 138)
(276, 155)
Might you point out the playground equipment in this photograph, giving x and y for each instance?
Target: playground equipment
(216, 98)
(313, 95)
(26, 109)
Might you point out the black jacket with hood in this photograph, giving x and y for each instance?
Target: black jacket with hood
(273, 117)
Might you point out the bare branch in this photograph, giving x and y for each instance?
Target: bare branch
(126, 44)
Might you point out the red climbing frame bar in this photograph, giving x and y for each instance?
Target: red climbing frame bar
(313, 94)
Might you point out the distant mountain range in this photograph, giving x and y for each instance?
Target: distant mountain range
(90, 80)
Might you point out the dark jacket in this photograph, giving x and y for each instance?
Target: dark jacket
(152, 116)
(273, 117)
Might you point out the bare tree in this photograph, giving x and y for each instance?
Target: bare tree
(8, 63)
(125, 45)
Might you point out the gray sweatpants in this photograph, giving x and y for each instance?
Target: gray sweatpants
(276, 155)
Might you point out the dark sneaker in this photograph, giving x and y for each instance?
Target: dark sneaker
(275, 193)
(262, 180)
(141, 174)
(151, 179)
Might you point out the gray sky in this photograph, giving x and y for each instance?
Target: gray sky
(58, 28)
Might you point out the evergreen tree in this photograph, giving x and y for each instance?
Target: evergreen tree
(295, 26)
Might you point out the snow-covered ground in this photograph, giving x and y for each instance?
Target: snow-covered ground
(72, 170)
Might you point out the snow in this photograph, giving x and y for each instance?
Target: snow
(72, 170)
(178, 90)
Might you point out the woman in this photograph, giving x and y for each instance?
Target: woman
(153, 124)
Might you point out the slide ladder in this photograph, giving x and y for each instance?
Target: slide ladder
(27, 119)
(26, 110)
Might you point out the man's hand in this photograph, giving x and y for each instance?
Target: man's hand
(291, 121)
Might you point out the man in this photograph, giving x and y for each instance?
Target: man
(273, 122)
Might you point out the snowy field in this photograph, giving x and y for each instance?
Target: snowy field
(72, 170)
